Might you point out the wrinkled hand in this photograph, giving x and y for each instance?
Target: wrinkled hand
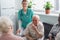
(18, 31)
(34, 27)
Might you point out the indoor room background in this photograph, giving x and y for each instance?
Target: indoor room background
(10, 8)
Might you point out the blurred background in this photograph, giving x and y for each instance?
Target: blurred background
(10, 8)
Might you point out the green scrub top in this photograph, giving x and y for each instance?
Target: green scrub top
(25, 18)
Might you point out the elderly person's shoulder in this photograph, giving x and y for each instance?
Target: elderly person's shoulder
(55, 24)
(11, 37)
(41, 24)
(29, 24)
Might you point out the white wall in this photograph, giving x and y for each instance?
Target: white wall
(51, 18)
(8, 9)
(18, 4)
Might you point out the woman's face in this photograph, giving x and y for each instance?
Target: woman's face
(25, 5)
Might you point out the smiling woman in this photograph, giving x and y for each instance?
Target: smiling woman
(24, 15)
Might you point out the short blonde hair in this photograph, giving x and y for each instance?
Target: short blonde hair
(5, 23)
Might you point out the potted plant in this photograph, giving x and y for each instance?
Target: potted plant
(47, 7)
(30, 4)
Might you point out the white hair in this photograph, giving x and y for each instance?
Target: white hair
(36, 16)
(5, 23)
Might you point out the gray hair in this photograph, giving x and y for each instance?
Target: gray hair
(36, 16)
(5, 23)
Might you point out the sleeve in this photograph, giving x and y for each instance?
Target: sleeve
(26, 31)
(19, 15)
(41, 28)
(52, 30)
(19, 19)
(19, 24)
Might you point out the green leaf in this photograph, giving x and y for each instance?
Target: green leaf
(48, 5)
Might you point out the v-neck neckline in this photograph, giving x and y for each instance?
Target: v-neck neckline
(26, 12)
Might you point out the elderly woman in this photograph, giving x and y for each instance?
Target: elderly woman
(24, 15)
(35, 29)
(6, 28)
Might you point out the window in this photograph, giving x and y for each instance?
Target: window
(59, 4)
(39, 4)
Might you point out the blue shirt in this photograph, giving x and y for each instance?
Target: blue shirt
(25, 18)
